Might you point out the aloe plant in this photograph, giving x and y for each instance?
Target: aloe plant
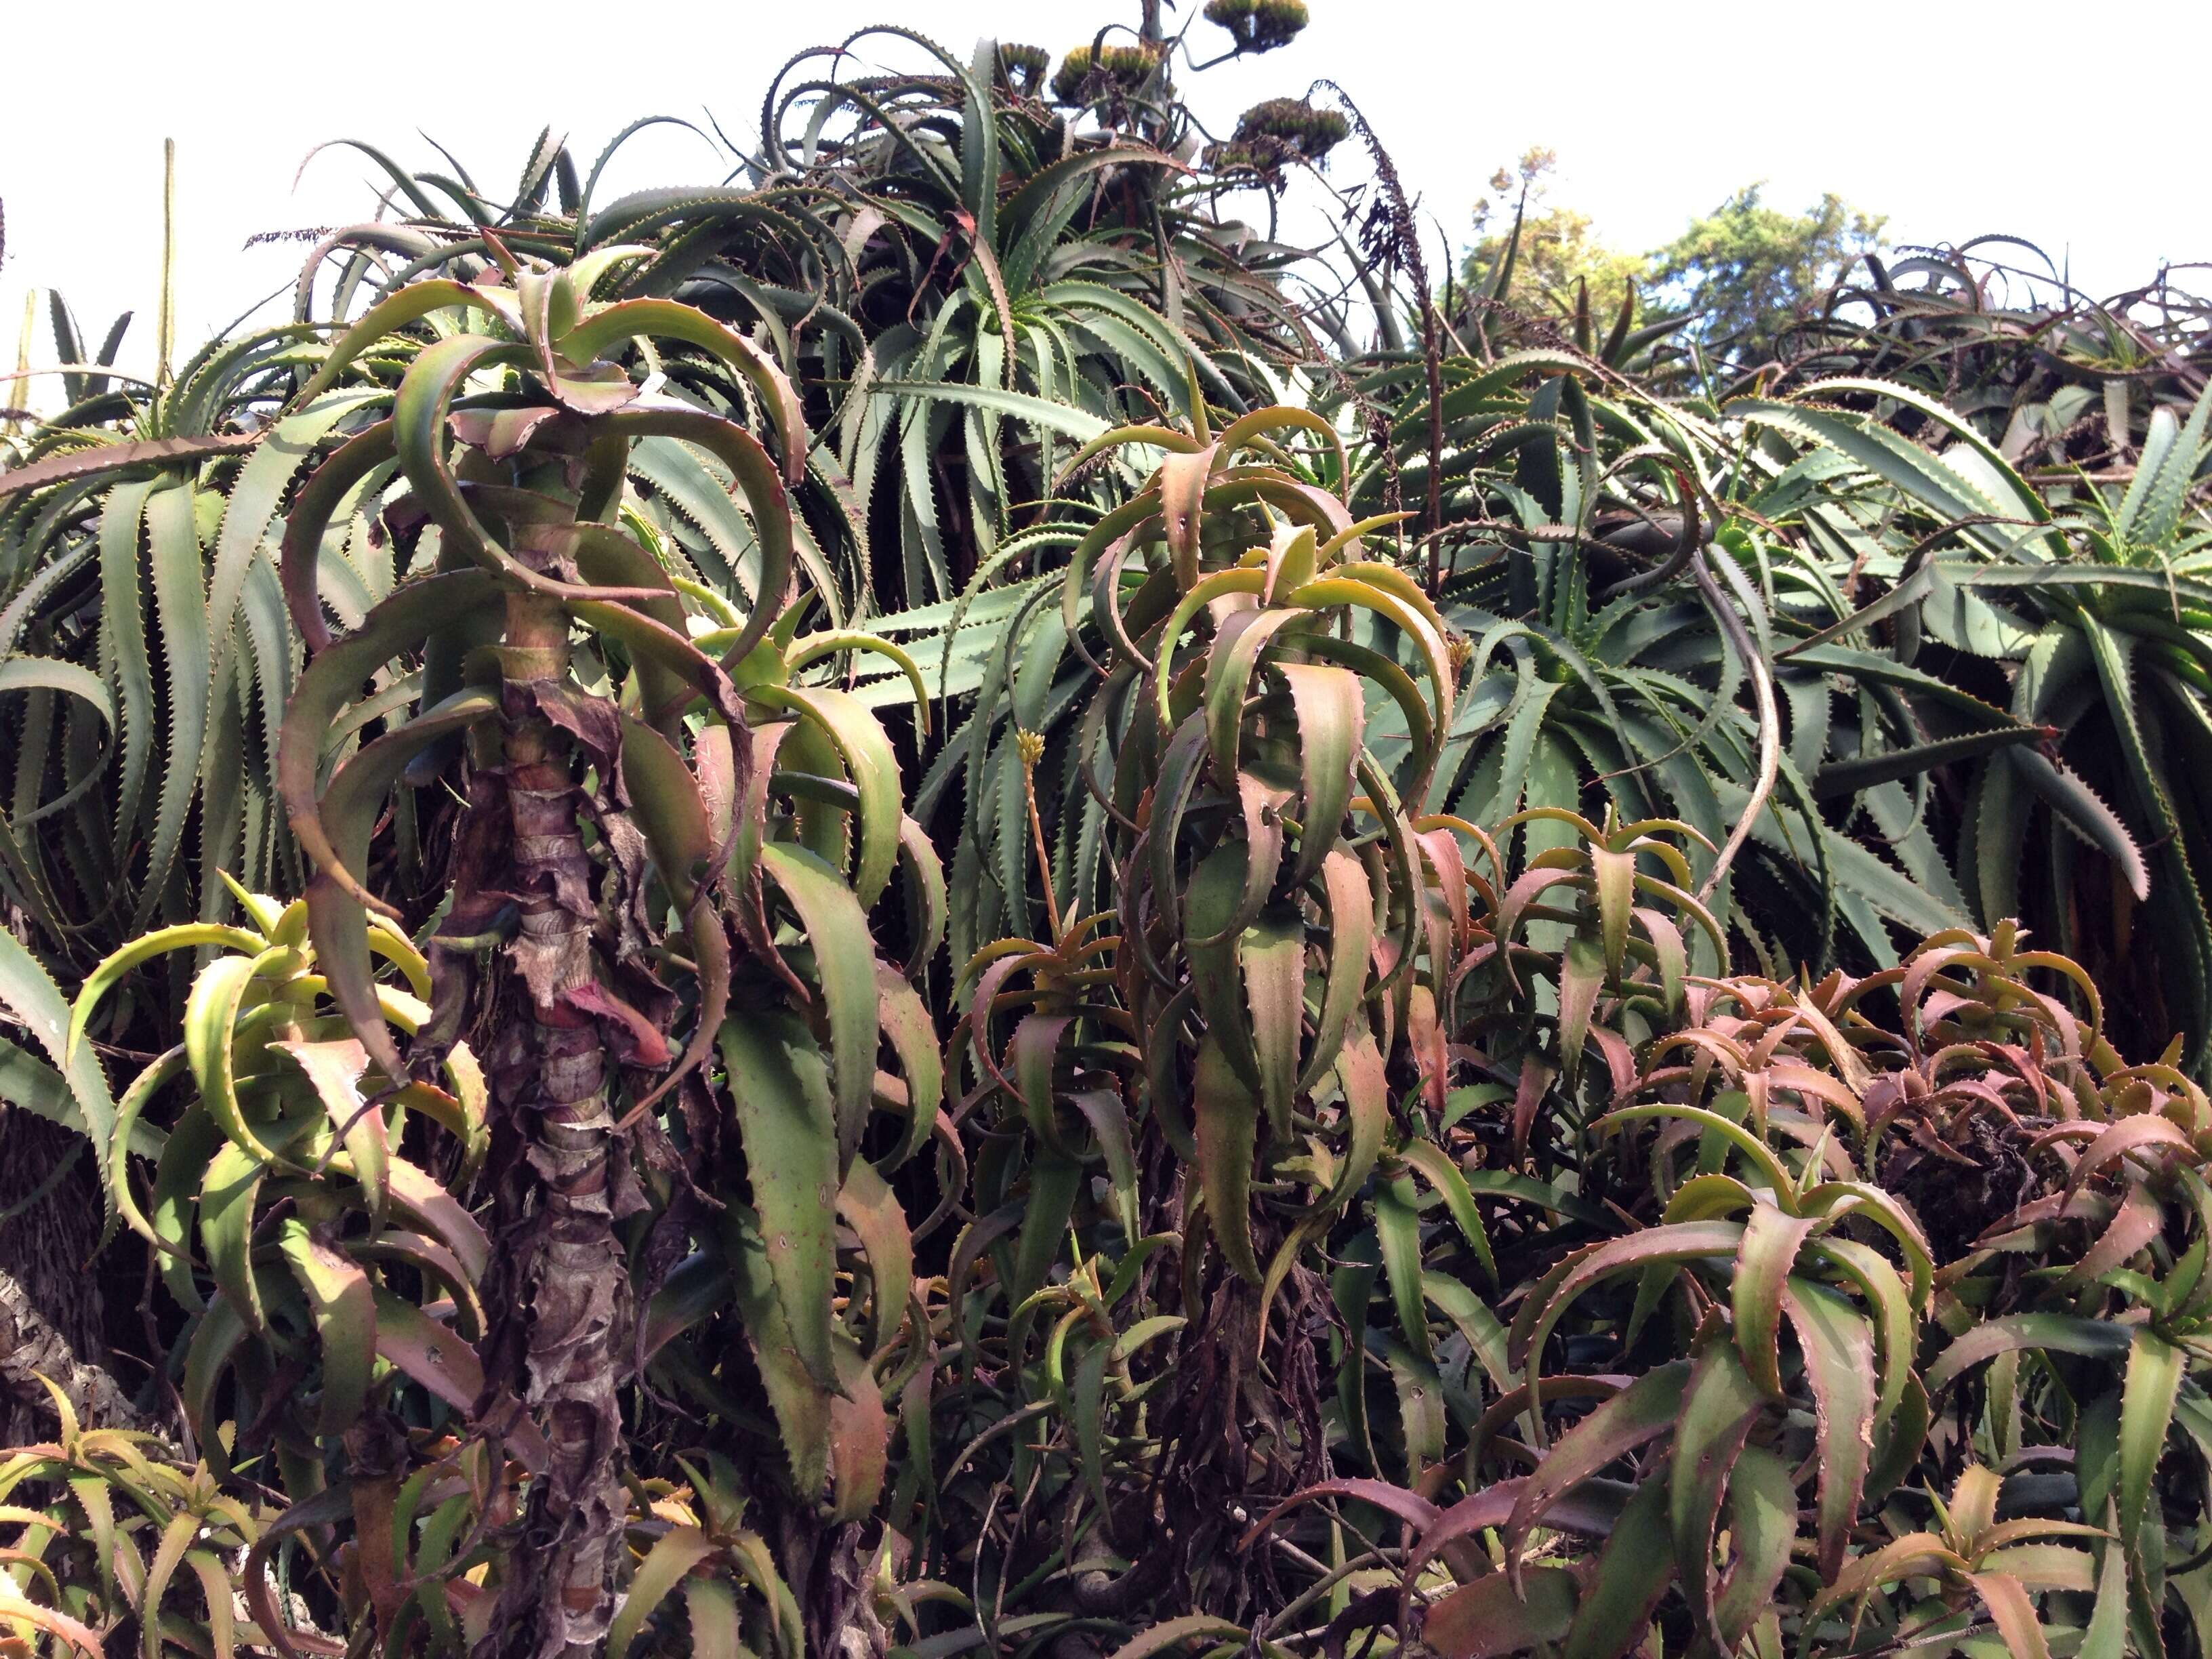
(526, 493)
(2057, 377)
(2084, 608)
(1805, 1089)
(102, 1564)
(1012, 935)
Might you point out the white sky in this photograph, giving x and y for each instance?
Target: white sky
(2074, 125)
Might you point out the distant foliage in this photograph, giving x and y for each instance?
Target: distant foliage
(927, 904)
(1746, 270)
(1738, 280)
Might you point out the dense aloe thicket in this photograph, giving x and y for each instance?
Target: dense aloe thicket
(928, 903)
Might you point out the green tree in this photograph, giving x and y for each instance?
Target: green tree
(1558, 246)
(1743, 272)
(1747, 270)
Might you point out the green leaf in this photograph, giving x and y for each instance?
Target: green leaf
(1351, 938)
(2152, 509)
(711, 1609)
(1398, 1229)
(114, 457)
(672, 1556)
(1638, 1414)
(860, 743)
(2091, 1338)
(252, 502)
(979, 146)
(671, 813)
(1582, 976)
(1719, 1407)
(1435, 1166)
(1839, 1350)
(837, 929)
(1770, 1242)
(668, 320)
(30, 996)
(779, 1090)
(2155, 1368)
(1331, 719)
(2106, 1635)
(336, 910)
(1850, 777)
(229, 1198)
(1491, 1618)
(1420, 1392)
(872, 1210)
(1633, 1572)
(210, 1024)
(756, 476)
(403, 305)
(1762, 1526)
(2013, 1614)
(1191, 1627)
(1681, 1242)
(123, 643)
(1229, 662)
(345, 1311)
(334, 1070)
(177, 1535)
(1272, 956)
(2081, 809)
(180, 610)
(1228, 1115)
(1089, 1393)
(1044, 412)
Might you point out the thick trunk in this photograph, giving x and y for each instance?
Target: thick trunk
(562, 1283)
(827, 1565)
(51, 1320)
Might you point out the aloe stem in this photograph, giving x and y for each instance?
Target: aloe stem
(22, 379)
(563, 1276)
(165, 316)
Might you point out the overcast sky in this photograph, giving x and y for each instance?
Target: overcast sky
(2078, 127)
